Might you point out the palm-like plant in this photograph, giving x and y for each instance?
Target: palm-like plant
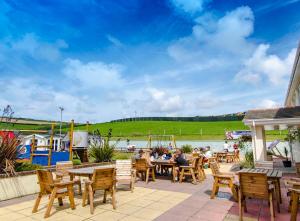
(8, 141)
(102, 151)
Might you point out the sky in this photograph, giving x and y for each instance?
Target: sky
(103, 60)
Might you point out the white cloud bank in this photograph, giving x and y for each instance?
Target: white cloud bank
(93, 74)
(33, 46)
(216, 41)
(262, 64)
(161, 101)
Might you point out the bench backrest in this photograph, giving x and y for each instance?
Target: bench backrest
(123, 167)
(141, 164)
(63, 167)
(45, 179)
(103, 178)
(254, 185)
(214, 168)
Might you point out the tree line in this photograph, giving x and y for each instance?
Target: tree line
(225, 117)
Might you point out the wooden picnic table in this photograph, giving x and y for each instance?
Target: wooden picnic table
(272, 175)
(221, 155)
(166, 163)
(87, 171)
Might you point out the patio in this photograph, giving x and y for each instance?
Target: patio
(160, 200)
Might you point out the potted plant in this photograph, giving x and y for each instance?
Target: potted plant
(286, 162)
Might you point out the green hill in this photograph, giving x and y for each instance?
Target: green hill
(182, 130)
(139, 130)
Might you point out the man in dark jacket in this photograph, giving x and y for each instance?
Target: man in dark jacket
(180, 161)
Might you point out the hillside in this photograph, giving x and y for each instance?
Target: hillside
(183, 130)
(139, 130)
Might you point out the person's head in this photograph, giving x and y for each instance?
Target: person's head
(141, 152)
(178, 152)
(208, 148)
(225, 141)
(166, 151)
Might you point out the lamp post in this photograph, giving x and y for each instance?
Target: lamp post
(61, 111)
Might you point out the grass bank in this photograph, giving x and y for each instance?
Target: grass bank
(139, 130)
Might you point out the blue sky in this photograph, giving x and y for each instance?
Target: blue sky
(103, 59)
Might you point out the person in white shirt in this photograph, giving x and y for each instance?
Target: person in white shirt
(208, 152)
(226, 146)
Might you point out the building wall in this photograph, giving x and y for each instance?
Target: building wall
(18, 186)
(293, 92)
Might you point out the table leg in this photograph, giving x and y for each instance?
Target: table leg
(71, 177)
(279, 190)
(173, 174)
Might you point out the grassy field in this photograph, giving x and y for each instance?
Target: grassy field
(139, 130)
(182, 130)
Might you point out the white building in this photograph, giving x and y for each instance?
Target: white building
(43, 140)
(277, 118)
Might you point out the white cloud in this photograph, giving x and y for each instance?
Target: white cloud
(267, 103)
(189, 6)
(160, 101)
(94, 73)
(223, 39)
(269, 65)
(29, 98)
(31, 45)
(248, 77)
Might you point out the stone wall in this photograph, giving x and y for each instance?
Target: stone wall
(25, 183)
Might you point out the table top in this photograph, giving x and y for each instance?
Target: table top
(89, 170)
(271, 173)
(165, 162)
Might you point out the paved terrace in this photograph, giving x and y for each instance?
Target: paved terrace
(159, 201)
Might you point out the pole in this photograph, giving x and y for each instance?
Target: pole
(71, 140)
(60, 126)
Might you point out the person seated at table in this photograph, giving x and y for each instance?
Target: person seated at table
(195, 151)
(202, 150)
(207, 154)
(146, 155)
(166, 155)
(226, 146)
(170, 147)
(139, 154)
(179, 159)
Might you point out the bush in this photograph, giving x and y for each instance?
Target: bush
(76, 162)
(27, 167)
(249, 160)
(187, 148)
(101, 153)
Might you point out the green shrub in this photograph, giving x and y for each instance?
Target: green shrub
(27, 167)
(249, 160)
(101, 153)
(76, 162)
(187, 148)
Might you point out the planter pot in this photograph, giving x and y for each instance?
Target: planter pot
(287, 163)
